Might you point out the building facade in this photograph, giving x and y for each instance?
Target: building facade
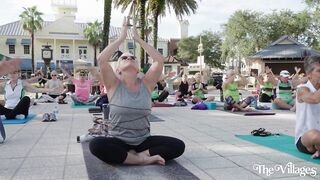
(65, 37)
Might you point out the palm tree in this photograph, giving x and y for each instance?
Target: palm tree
(141, 4)
(106, 22)
(158, 8)
(31, 22)
(93, 33)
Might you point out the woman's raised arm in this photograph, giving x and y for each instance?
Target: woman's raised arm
(109, 78)
(153, 74)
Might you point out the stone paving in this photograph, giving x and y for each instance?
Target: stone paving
(48, 150)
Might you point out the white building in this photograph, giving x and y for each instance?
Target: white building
(64, 36)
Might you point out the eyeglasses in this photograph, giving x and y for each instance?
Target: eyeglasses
(126, 58)
(82, 74)
(53, 75)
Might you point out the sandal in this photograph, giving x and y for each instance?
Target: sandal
(260, 132)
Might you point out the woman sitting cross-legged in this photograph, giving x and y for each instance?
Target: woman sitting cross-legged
(54, 82)
(83, 88)
(307, 131)
(16, 102)
(198, 90)
(232, 95)
(265, 83)
(130, 141)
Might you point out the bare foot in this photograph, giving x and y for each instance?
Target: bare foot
(293, 109)
(156, 159)
(315, 155)
(234, 109)
(248, 109)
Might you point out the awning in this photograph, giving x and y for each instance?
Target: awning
(42, 65)
(25, 41)
(11, 41)
(26, 64)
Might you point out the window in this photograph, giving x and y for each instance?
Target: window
(130, 45)
(65, 52)
(167, 69)
(12, 49)
(26, 49)
(160, 51)
(83, 52)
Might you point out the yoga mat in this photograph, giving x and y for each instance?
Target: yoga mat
(2, 132)
(248, 113)
(18, 121)
(162, 105)
(98, 169)
(282, 143)
(258, 113)
(154, 118)
(82, 106)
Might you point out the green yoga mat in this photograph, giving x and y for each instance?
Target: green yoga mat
(282, 143)
(82, 106)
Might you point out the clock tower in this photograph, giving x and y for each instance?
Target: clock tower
(46, 53)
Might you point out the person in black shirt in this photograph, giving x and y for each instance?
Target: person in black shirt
(184, 91)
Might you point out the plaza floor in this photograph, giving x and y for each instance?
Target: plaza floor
(39, 150)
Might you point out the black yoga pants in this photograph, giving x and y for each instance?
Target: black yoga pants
(114, 151)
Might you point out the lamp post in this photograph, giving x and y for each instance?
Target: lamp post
(47, 57)
(200, 51)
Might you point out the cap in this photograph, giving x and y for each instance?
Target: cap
(284, 73)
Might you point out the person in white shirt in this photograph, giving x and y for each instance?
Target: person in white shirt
(16, 102)
(307, 130)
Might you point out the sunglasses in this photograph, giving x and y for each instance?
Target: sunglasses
(53, 75)
(126, 58)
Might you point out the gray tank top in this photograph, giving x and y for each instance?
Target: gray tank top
(129, 114)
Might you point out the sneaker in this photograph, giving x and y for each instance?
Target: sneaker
(20, 116)
(45, 117)
(53, 117)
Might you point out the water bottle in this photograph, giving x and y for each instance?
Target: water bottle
(56, 110)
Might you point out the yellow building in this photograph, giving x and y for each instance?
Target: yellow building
(64, 36)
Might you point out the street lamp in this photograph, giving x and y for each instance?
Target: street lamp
(200, 51)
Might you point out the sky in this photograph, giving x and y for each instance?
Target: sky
(210, 15)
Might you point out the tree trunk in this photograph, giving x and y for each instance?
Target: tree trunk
(155, 29)
(106, 22)
(32, 51)
(95, 56)
(142, 25)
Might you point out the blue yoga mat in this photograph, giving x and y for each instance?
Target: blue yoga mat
(18, 121)
(282, 143)
(82, 106)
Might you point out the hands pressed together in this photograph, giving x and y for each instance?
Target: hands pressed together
(125, 28)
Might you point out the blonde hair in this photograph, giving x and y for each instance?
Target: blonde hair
(126, 54)
(53, 72)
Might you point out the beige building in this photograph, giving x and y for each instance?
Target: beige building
(64, 36)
